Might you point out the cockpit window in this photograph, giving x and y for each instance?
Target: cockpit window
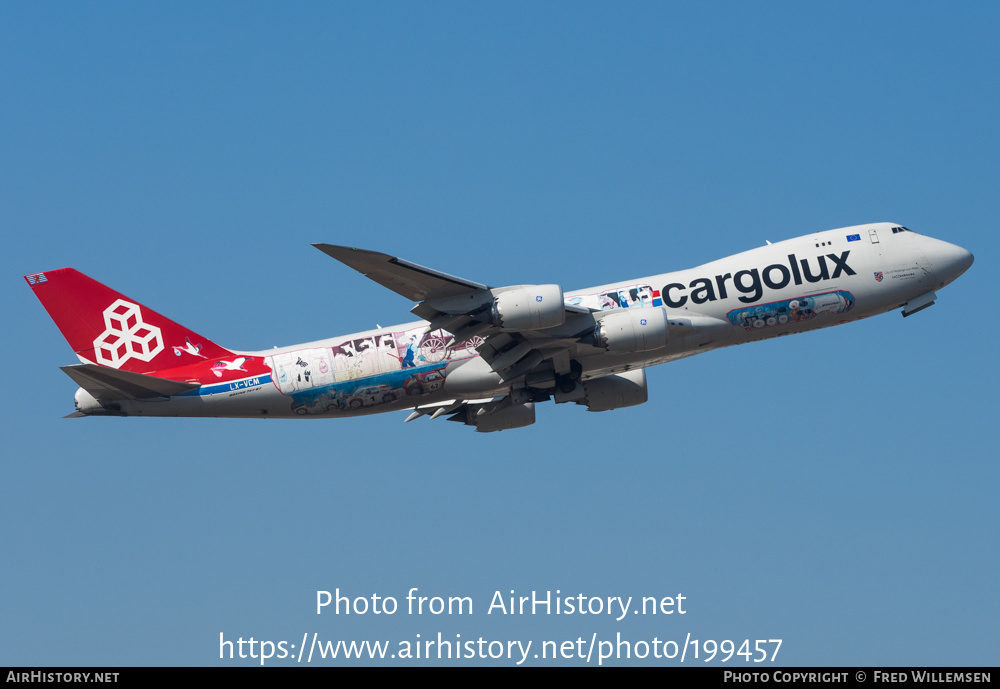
(896, 230)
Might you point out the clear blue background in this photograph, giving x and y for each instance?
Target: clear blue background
(836, 490)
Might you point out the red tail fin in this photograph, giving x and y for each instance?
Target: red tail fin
(107, 328)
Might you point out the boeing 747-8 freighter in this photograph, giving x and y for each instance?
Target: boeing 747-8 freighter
(486, 355)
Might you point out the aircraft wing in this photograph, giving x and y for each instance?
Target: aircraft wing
(464, 309)
(414, 282)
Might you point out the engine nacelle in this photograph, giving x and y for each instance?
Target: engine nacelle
(514, 416)
(616, 391)
(633, 330)
(529, 307)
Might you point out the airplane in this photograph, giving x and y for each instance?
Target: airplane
(485, 355)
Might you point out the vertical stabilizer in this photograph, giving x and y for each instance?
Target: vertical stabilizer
(107, 328)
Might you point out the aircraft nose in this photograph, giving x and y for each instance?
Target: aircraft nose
(948, 261)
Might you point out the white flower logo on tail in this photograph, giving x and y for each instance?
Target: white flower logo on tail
(126, 336)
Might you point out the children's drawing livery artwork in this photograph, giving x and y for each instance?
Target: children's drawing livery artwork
(631, 296)
(791, 310)
(368, 371)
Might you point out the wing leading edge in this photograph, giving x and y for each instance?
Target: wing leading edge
(414, 282)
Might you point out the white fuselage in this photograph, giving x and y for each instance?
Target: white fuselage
(779, 289)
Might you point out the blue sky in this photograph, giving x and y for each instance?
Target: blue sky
(836, 490)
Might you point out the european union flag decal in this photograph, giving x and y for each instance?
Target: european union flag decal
(854, 237)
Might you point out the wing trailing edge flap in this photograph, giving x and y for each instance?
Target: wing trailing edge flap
(109, 383)
(512, 355)
(440, 408)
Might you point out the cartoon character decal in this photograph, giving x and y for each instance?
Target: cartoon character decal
(367, 372)
(373, 391)
(237, 364)
(424, 381)
(411, 352)
(791, 310)
(188, 348)
(628, 297)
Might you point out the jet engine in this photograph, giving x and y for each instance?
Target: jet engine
(632, 330)
(613, 392)
(528, 307)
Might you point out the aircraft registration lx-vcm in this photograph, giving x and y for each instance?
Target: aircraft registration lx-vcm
(485, 355)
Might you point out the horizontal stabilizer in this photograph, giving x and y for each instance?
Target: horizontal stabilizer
(108, 383)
